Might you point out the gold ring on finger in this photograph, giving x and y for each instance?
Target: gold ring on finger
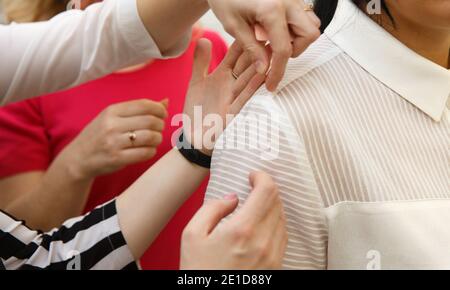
(235, 76)
(309, 7)
(132, 136)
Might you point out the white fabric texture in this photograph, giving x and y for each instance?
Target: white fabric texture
(359, 120)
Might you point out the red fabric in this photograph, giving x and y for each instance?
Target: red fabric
(33, 133)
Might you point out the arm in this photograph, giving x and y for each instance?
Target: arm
(46, 199)
(147, 205)
(31, 187)
(98, 241)
(245, 241)
(78, 46)
(92, 242)
(173, 178)
(15, 185)
(182, 14)
(142, 212)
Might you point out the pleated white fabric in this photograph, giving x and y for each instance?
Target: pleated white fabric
(357, 138)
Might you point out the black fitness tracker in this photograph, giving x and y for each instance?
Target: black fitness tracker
(191, 154)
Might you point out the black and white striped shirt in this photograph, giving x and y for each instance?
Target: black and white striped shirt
(91, 242)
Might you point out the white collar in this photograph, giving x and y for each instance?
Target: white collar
(418, 80)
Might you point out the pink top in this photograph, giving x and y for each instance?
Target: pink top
(34, 132)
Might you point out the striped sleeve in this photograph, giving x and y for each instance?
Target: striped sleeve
(91, 242)
(262, 138)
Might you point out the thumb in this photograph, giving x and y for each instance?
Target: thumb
(202, 59)
(212, 212)
(165, 103)
(260, 202)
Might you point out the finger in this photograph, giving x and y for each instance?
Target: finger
(272, 232)
(314, 18)
(232, 56)
(202, 59)
(243, 63)
(245, 77)
(140, 107)
(260, 201)
(247, 39)
(144, 138)
(242, 81)
(135, 155)
(165, 103)
(247, 93)
(144, 122)
(306, 28)
(279, 244)
(247, 84)
(211, 213)
(280, 42)
(283, 234)
(273, 217)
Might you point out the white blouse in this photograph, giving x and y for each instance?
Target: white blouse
(74, 47)
(357, 138)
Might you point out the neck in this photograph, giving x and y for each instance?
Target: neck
(433, 44)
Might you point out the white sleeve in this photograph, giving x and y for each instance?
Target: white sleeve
(74, 47)
(262, 138)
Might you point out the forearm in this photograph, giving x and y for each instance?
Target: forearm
(107, 36)
(146, 207)
(60, 195)
(169, 20)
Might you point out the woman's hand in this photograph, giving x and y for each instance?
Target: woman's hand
(214, 99)
(121, 135)
(290, 26)
(255, 237)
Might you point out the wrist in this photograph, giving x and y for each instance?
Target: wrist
(195, 139)
(72, 168)
(193, 155)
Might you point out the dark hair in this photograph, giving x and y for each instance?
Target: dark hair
(325, 10)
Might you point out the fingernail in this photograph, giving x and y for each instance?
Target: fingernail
(260, 67)
(231, 196)
(165, 102)
(271, 88)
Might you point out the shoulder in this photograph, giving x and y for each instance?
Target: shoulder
(316, 56)
(296, 89)
(311, 80)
